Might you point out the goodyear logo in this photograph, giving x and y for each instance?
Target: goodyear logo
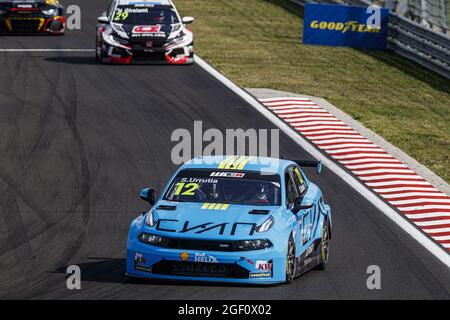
(215, 206)
(348, 26)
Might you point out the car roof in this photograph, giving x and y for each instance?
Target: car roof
(244, 163)
(145, 2)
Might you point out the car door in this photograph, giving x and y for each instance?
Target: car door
(292, 193)
(308, 217)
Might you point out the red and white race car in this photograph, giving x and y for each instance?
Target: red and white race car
(144, 32)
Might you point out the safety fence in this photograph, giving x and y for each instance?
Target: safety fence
(410, 39)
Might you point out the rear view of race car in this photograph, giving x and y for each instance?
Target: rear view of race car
(32, 16)
(144, 32)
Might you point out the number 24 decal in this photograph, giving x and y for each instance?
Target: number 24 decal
(189, 188)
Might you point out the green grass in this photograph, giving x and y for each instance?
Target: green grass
(258, 44)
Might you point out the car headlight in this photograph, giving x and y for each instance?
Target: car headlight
(150, 219)
(49, 12)
(150, 239)
(254, 244)
(110, 37)
(266, 225)
(179, 40)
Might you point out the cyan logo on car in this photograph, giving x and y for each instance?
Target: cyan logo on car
(170, 225)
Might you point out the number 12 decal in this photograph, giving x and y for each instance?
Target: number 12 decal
(189, 189)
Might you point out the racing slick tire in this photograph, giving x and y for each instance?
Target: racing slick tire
(99, 57)
(291, 261)
(324, 246)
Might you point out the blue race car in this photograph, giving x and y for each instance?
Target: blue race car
(232, 219)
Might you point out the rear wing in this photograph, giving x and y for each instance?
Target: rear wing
(310, 164)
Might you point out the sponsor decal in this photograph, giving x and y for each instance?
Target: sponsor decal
(224, 245)
(337, 25)
(310, 250)
(228, 174)
(262, 265)
(146, 29)
(184, 256)
(203, 257)
(260, 275)
(199, 268)
(139, 258)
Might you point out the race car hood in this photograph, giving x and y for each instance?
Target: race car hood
(203, 220)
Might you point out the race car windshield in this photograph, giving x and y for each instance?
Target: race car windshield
(145, 15)
(230, 187)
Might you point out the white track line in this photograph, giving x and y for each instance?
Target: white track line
(406, 225)
(47, 50)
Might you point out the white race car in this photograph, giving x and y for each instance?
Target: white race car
(146, 31)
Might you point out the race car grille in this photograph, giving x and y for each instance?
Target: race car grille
(200, 269)
(204, 245)
(25, 25)
(143, 44)
(139, 56)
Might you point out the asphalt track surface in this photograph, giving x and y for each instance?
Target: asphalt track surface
(79, 140)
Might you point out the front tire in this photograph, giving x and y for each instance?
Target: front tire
(291, 261)
(99, 57)
(324, 246)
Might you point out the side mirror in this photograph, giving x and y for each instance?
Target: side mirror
(103, 19)
(187, 20)
(299, 206)
(319, 167)
(148, 195)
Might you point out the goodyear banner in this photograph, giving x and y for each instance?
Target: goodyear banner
(335, 25)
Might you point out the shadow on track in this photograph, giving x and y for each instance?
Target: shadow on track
(17, 34)
(84, 60)
(112, 270)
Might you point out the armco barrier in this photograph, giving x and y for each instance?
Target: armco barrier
(409, 39)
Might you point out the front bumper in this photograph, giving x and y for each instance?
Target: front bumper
(246, 267)
(140, 55)
(32, 24)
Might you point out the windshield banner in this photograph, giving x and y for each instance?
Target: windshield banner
(336, 25)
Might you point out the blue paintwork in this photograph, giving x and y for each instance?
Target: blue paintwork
(305, 227)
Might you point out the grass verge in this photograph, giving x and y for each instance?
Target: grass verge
(258, 44)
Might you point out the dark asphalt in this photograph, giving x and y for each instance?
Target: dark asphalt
(79, 140)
